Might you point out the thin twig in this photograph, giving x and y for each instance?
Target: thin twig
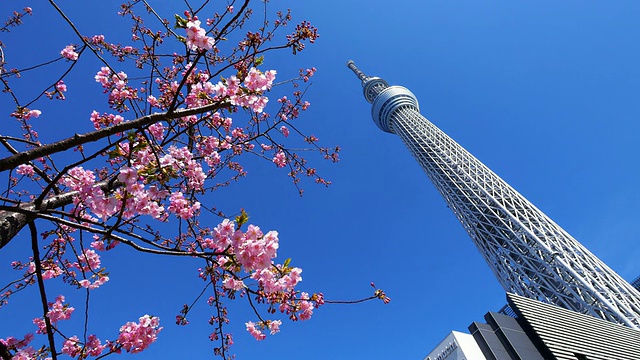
(43, 294)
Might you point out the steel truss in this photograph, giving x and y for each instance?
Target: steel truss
(529, 254)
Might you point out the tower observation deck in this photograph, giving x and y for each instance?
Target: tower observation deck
(529, 254)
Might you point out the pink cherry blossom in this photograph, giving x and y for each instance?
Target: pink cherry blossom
(157, 131)
(255, 251)
(101, 280)
(61, 86)
(274, 326)
(153, 101)
(251, 328)
(41, 324)
(94, 346)
(89, 260)
(25, 169)
(103, 76)
(223, 233)
(233, 85)
(27, 114)
(28, 353)
(197, 38)
(97, 243)
(129, 176)
(59, 311)
(135, 337)
(233, 284)
(257, 81)
(97, 39)
(181, 207)
(79, 178)
(69, 53)
(50, 270)
(116, 85)
(274, 281)
(71, 346)
(24, 351)
(306, 307)
(280, 159)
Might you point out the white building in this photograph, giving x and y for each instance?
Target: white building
(456, 346)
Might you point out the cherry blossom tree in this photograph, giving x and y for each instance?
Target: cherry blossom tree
(179, 107)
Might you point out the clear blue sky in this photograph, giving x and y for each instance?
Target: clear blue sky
(545, 93)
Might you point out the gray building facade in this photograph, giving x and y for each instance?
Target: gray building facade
(541, 331)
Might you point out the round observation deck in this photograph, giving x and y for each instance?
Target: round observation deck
(388, 101)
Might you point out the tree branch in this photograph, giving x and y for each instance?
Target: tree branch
(12, 221)
(43, 294)
(12, 161)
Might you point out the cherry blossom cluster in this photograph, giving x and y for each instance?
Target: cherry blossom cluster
(25, 169)
(21, 347)
(280, 159)
(246, 93)
(136, 198)
(69, 53)
(104, 120)
(73, 347)
(197, 38)
(253, 250)
(26, 114)
(84, 181)
(58, 91)
(249, 256)
(117, 87)
(135, 337)
(57, 311)
(50, 269)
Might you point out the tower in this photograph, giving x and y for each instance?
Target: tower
(529, 254)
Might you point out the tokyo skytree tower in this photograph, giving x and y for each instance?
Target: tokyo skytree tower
(529, 254)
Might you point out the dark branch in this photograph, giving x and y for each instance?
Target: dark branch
(12, 221)
(11, 162)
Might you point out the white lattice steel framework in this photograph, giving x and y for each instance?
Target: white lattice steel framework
(529, 254)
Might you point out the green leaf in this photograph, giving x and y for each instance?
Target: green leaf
(181, 22)
(259, 60)
(242, 218)
(286, 263)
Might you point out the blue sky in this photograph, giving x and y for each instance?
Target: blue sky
(544, 93)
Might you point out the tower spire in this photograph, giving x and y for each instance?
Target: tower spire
(351, 65)
(371, 86)
(529, 254)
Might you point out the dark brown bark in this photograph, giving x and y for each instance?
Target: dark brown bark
(13, 161)
(14, 219)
